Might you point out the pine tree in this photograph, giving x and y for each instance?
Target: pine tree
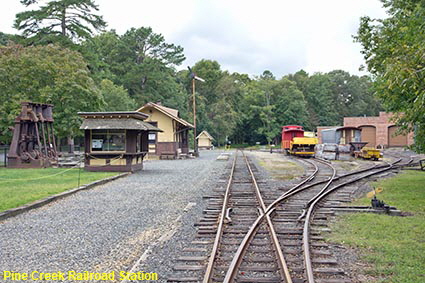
(66, 19)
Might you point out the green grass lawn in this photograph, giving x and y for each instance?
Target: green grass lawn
(394, 246)
(22, 186)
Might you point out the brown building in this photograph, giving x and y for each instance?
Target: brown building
(115, 141)
(174, 138)
(379, 131)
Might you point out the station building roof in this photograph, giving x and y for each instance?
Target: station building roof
(170, 112)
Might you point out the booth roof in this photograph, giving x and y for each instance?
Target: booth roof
(117, 124)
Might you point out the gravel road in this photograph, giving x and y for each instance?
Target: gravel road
(109, 227)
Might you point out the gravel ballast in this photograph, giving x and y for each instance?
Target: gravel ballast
(109, 227)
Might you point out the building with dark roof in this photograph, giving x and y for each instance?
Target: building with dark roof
(115, 141)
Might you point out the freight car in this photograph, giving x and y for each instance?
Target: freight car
(294, 142)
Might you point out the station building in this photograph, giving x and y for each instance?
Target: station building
(379, 131)
(204, 140)
(174, 139)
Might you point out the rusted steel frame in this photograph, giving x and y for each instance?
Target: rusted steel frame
(237, 259)
(37, 133)
(208, 271)
(48, 139)
(306, 229)
(44, 140)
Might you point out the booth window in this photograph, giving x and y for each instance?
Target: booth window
(108, 140)
(139, 142)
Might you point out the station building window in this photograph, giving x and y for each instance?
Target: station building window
(152, 138)
(108, 140)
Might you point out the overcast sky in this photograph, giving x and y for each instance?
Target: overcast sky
(245, 36)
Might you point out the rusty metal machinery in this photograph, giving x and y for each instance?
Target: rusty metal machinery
(33, 144)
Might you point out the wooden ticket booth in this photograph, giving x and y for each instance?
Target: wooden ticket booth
(115, 141)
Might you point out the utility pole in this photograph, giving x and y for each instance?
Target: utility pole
(195, 144)
(194, 77)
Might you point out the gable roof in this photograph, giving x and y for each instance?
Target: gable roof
(205, 133)
(170, 112)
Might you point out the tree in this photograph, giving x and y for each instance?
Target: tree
(300, 78)
(211, 72)
(101, 53)
(291, 107)
(353, 95)
(149, 64)
(46, 74)
(5, 38)
(321, 101)
(140, 60)
(116, 97)
(394, 52)
(59, 20)
(221, 115)
(257, 120)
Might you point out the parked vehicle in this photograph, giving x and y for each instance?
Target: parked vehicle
(294, 142)
(369, 153)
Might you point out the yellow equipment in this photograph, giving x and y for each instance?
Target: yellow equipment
(303, 146)
(370, 153)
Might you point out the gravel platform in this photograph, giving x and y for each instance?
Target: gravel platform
(109, 227)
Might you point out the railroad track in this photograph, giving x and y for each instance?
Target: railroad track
(260, 235)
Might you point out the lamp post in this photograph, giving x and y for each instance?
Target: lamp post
(194, 77)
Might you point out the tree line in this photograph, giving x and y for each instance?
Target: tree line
(69, 59)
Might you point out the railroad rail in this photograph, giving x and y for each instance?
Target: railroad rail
(272, 236)
(311, 204)
(278, 225)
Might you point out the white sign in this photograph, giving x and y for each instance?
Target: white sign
(96, 143)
